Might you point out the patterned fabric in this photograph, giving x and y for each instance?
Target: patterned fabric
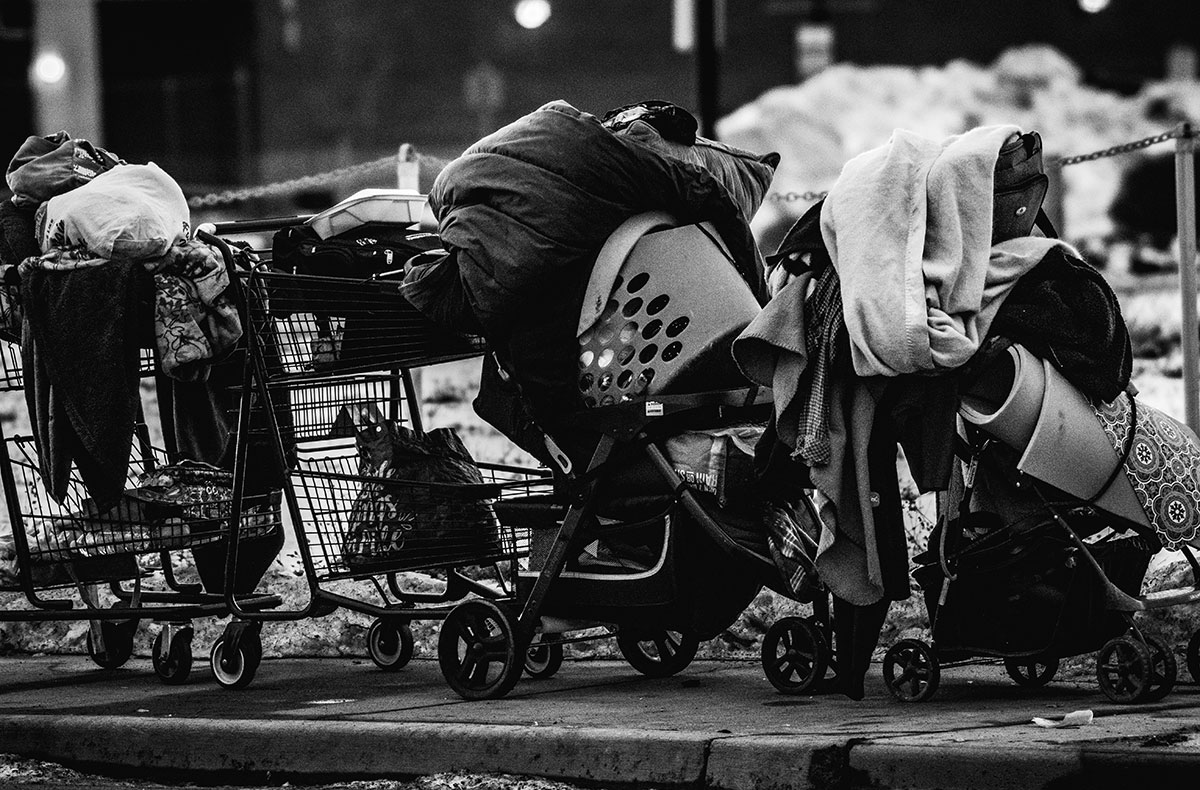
(63, 260)
(195, 320)
(824, 308)
(1163, 466)
(792, 537)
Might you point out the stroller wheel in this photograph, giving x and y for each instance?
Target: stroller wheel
(657, 654)
(543, 660)
(1193, 656)
(1031, 672)
(1164, 670)
(477, 650)
(794, 655)
(910, 671)
(390, 643)
(1124, 669)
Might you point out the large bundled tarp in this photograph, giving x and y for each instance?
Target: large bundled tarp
(523, 214)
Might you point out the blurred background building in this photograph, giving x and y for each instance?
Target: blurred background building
(223, 93)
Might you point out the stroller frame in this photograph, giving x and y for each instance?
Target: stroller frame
(1130, 668)
(485, 644)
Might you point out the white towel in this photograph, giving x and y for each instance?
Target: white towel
(909, 226)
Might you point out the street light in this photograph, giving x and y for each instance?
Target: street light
(532, 14)
(49, 68)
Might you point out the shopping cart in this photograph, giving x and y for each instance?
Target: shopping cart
(74, 561)
(324, 350)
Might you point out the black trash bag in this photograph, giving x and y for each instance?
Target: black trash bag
(422, 503)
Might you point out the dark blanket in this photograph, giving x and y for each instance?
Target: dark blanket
(523, 214)
(1063, 310)
(17, 239)
(80, 357)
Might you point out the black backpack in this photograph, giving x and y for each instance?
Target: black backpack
(371, 252)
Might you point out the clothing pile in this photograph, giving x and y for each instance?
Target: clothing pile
(101, 251)
(97, 264)
(883, 296)
(171, 507)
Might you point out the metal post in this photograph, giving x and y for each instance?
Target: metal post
(408, 176)
(708, 89)
(69, 96)
(408, 169)
(1185, 219)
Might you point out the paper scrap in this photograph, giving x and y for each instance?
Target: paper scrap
(1076, 718)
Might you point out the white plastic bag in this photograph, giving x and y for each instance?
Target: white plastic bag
(132, 212)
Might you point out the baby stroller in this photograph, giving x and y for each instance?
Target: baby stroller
(1019, 568)
(659, 537)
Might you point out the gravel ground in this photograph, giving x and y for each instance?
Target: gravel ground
(18, 773)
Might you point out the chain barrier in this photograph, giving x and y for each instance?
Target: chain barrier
(294, 185)
(1116, 150)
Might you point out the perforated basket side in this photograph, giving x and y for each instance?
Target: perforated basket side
(675, 306)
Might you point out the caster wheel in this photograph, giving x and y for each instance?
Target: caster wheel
(1193, 657)
(543, 661)
(115, 645)
(794, 655)
(1164, 670)
(657, 654)
(173, 660)
(1124, 669)
(1031, 672)
(390, 644)
(910, 671)
(235, 668)
(477, 651)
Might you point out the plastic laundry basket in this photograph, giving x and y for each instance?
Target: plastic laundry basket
(674, 308)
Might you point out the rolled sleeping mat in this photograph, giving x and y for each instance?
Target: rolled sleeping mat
(1059, 435)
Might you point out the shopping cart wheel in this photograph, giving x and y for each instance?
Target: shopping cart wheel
(115, 645)
(233, 666)
(542, 660)
(390, 643)
(1193, 657)
(1124, 667)
(478, 652)
(172, 656)
(657, 654)
(794, 655)
(1164, 669)
(1031, 672)
(910, 671)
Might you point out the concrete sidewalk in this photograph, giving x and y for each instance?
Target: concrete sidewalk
(717, 724)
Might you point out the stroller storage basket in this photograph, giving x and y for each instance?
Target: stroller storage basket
(1028, 592)
(329, 325)
(356, 525)
(164, 508)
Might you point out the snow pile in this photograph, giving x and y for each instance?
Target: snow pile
(820, 124)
